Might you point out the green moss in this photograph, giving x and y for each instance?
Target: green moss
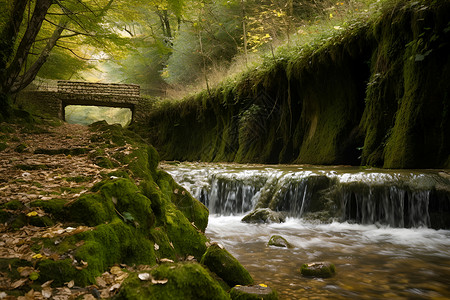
(78, 179)
(221, 262)
(163, 248)
(18, 221)
(66, 151)
(184, 281)
(3, 146)
(43, 221)
(379, 86)
(192, 209)
(9, 266)
(322, 270)
(60, 271)
(186, 239)
(279, 241)
(6, 128)
(53, 206)
(4, 216)
(91, 210)
(13, 205)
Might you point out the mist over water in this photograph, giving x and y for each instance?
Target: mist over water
(375, 256)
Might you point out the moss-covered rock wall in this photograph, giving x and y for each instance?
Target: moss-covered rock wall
(377, 93)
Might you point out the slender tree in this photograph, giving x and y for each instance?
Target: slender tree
(18, 38)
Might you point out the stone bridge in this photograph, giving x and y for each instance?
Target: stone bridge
(54, 102)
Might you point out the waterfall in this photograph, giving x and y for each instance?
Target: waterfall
(388, 198)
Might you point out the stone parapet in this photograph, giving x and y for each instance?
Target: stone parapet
(80, 87)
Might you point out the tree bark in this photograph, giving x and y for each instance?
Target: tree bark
(13, 70)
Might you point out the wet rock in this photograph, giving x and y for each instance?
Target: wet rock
(253, 292)
(221, 262)
(279, 241)
(264, 215)
(318, 269)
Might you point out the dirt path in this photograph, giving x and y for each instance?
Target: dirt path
(44, 163)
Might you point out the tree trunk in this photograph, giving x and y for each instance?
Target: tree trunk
(7, 38)
(22, 81)
(244, 29)
(14, 69)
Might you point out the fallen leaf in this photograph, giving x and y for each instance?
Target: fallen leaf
(100, 282)
(156, 246)
(166, 260)
(25, 271)
(37, 256)
(47, 292)
(70, 284)
(89, 297)
(32, 214)
(115, 270)
(46, 284)
(114, 287)
(160, 281)
(120, 278)
(104, 294)
(144, 276)
(19, 283)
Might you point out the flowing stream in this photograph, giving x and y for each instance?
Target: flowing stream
(376, 233)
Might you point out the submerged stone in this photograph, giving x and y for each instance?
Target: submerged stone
(264, 215)
(253, 292)
(221, 262)
(279, 241)
(318, 269)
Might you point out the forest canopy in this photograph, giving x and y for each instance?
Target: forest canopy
(160, 45)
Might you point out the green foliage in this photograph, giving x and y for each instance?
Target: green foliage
(363, 87)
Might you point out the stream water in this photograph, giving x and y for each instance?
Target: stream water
(375, 255)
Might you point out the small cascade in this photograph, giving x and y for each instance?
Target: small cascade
(386, 205)
(229, 197)
(390, 198)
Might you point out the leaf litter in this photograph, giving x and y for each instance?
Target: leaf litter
(26, 177)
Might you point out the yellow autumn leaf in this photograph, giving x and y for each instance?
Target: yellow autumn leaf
(32, 214)
(37, 256)
(263, 285)
(331, 16)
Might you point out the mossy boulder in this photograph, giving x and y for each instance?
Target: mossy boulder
(3, 146)
(193, 209)
(253, 292)
(187, 280)
(318, 269)
(13, 205)
(264, 215)
(279, 241)
(221, 262)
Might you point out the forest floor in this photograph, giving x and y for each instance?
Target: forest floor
(43, 163)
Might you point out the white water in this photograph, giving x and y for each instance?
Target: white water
(371, 262)
(398, 198)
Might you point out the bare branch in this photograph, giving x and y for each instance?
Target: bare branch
(73, 52)
(72, 30)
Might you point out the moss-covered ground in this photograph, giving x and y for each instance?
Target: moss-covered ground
(373, 93)
(87, 220)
